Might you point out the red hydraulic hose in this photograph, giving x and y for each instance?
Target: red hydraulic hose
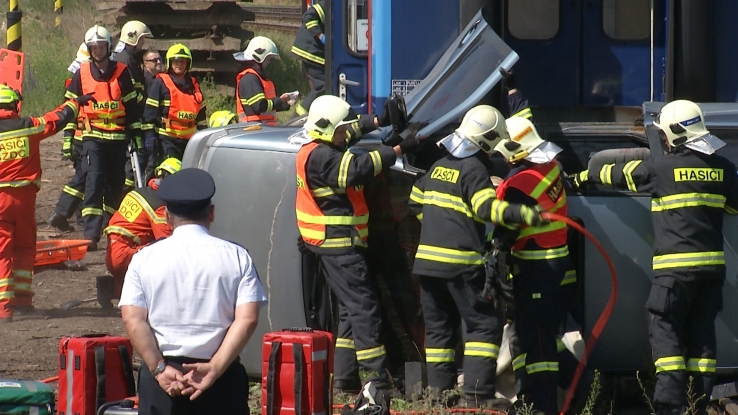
(606, 312)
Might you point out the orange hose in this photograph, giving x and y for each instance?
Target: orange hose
(606, 312)
(49, 380)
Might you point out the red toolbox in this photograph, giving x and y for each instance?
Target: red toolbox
(297, 372)
(93, 370)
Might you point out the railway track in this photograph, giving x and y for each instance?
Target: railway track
(285, 19)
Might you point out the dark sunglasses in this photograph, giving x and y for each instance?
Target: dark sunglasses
(157, 60)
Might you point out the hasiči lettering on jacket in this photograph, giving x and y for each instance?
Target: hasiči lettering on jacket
(14, 148)
(698, 175)
(444, 174)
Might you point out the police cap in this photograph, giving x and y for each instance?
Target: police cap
(188, 191)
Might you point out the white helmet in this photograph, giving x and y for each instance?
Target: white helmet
(327, 113)
(132, 32)
(97, 34)
(257, 50)
(525, 143)
(682, 122)
(83, 55)
(484, 126)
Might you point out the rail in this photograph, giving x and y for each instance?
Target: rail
(279, 18)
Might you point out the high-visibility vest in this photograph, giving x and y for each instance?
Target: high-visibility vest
(543, 183)
(312, 222)
(181, 122)
(269, 117)
(108, 113)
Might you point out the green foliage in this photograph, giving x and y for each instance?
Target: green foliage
(216, 98)
(594, 393)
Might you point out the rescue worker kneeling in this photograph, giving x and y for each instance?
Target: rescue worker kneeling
(332, 217)
(540, 260)
(455, 199)
(139, 221)
(691, 188)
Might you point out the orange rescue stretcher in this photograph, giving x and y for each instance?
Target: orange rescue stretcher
(56, 252)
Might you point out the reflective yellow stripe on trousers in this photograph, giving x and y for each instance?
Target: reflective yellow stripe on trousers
(449, 256)
(372, 353)
(690, 259)
(439, 355)
(345, 343)
(701, 365)
(481, 349)
(670, 363)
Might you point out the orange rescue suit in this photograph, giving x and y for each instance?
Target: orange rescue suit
(269, 117)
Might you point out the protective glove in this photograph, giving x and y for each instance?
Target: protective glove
(410, 144)
(150, 143)
(579, 180)
(82, 100)
(522, 214)
(508, 79)
(67, 148)
(136, 144)
(301, 246)
(384, 119)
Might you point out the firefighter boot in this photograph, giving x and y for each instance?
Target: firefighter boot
(104, 285)
(60, 222)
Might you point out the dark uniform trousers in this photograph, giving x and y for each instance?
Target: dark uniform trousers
(73, 192)
(683, 312)
(143, 162)
(228, 395)
(360, 316)
(445, 302)
(539, 313)
(316, 76)
(346, 367)
(103, 163)
(172, 147)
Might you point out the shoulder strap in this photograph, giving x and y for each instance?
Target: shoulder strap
(271, 375)
(125, 360)
(299, 360)
(100, 371)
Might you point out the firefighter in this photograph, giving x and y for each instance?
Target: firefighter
(456, 198)
(139, 221)
(690, 187)
(540, 260)
(222, 118)
(73, 193)
(20, 179)
(332, 218)
(107, 124)
(174, 107)
(129, 51)
(256, 97)
(309, 47)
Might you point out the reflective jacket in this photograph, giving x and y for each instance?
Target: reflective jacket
(307, 46)
(140, 219)
(116, 113)
(174, 108)
(454, 200)
(133, 63)
(256, 98)
(332, 215)
(20, 158)
(690, 192)
(540, 184)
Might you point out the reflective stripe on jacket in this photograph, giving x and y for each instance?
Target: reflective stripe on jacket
(140, 218)
(181, 120)
(269, 117)
(107, 115)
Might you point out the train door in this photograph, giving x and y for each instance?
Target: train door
(347, 51)
(586, 52)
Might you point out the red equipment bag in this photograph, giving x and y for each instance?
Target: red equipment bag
(297, 372)
(93, 370)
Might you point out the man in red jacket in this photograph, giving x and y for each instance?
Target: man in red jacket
(20, 178)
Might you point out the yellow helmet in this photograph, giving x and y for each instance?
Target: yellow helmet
(327, 113)
(167, 167)
(222, 118)
(484, 126)
(179, 51)
(132, 32)
(8, 95)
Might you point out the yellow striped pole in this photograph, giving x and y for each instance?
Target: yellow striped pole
(13, 34)
(58, 9)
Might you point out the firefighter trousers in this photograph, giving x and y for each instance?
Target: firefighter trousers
(539, 314)
(103, 162)
(172, 147)
(316, 79)
(681, 327)
(117, 258)
(17, 246)
(73, 193)
(143, 161)
(346, 367)
(446, 302)
(348, 277)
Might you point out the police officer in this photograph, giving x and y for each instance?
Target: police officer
(20, 179)
(174, 107)
(455, 199)
(189, 318)
(541, 259)
(256, 97)
(332, 218)
(691, 188)
(309, 47)
(139, 221)
(108, 124)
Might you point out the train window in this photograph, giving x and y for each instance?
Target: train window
(357, 27)
(626, 19)
(532, 19)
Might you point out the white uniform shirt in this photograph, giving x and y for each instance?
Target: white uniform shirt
(191, 283)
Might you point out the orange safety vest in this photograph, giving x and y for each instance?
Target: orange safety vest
(543, 183)
(312, 222)
(269, 117)
(108, 113)
(183, 109)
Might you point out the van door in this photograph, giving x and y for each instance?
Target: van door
(347, 52)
